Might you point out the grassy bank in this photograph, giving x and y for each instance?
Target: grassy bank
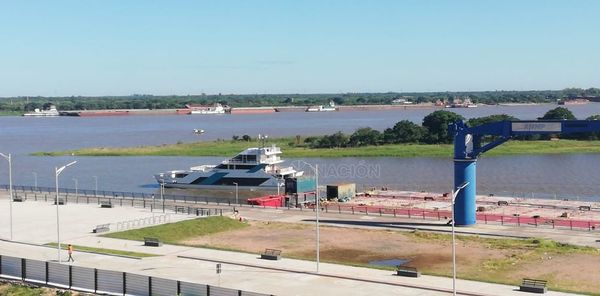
(174, 233)
(104, 251)
(10, 113)
(230, 148)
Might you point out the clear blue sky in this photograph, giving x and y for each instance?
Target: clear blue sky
(188, 47)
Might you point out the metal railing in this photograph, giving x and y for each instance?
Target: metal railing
(172, 203)
(117, 197)
(102, 281)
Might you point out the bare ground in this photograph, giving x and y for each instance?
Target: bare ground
(572, 271)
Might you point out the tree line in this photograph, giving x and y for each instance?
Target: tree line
(143, 101)
(434, 130)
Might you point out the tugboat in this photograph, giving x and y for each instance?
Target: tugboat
(51, 111)
(331, 107)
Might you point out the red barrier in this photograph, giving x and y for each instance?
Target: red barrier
(481, 217)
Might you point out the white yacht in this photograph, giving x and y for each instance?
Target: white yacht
(50, 112)
(254, 168)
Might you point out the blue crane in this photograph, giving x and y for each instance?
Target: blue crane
(469, 143)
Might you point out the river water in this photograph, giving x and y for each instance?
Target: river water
(541, 175)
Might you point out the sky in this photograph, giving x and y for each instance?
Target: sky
(64, 48)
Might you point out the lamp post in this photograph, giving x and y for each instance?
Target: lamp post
(317, 206)
(454, 194)
(96, 188)
(10, 190)
(75, 180)
(57, 172)
(236, 193)
(35, 180)
(162, 189)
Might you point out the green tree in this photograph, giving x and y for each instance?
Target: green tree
(437, 126)
(559, 113)
(364, 137)
(404, 132)
(336, 140)
(487, 119)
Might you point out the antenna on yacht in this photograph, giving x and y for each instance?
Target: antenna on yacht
(263, 139)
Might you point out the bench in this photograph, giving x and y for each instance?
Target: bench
(585, 208)
(101, 228)
(503, 203)
(271, 254)
(19, 198)
(61, 201)
(533, 286)
(152, 242)
(428, 198)
(106, 204)
(407, 271)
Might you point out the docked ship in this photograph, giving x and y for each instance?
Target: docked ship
(252, 169)
(200, 109)
(573, 102)
(458, 103)
(51, 111)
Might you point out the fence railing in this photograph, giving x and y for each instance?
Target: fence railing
(172, 203)
(102, 281)
(535, 221)
(118, 197)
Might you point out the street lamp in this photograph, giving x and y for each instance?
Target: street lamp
(162, 189)
(454, 194)
(96, 188)
(76, 195)
(317, 205)
(35, 180)
(57, 172)
(236, 193)
(10, 190)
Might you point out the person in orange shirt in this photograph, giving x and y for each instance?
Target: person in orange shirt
(70, 251)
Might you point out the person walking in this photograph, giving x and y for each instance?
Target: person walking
(70, 251)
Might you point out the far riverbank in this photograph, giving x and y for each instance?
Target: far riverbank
(231, 148)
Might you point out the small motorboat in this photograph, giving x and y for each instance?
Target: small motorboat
(198, 131)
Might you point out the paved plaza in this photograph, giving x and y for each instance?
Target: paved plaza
(34, 224)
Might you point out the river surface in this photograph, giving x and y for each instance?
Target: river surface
(563, 176)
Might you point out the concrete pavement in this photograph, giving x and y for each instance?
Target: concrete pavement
(35, 222)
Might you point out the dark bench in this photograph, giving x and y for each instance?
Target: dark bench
(101, 228)
(271, 254)
(502, 203)
(61, 201)
(106, 204)
(408, 271)
(533, 286)
(152, 242)
(428, 198)
(19, 198)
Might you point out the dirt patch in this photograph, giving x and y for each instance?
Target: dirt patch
(430, 253)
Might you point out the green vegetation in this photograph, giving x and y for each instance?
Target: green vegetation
(16, 290)
(144, 101)
(230, 148)
(10, 113)
(174, 233)
(21, 290)
(104, 251)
